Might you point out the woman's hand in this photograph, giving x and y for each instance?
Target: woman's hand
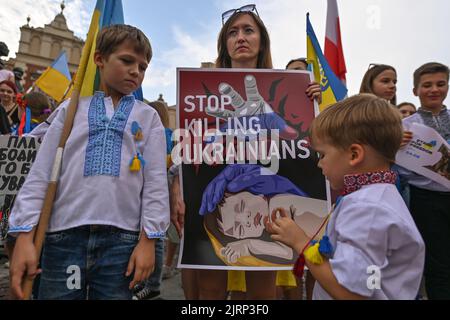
(314, 92)
(177, 206)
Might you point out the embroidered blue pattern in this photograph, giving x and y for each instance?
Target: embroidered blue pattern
(20, 229)
(104, 150)
(156, 235)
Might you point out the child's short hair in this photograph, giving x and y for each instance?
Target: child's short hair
(113, 36)
(406, 104)
(364, 119)
(38, 104)
(432, 67)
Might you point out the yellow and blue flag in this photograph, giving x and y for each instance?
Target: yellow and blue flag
(333, 90)
(106, 13)
(55, 81)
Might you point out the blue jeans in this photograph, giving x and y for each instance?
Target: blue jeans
(88, 262)
(154, 282)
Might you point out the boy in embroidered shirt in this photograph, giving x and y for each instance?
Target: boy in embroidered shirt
(373, 248)
(112, 197)
(429, 200)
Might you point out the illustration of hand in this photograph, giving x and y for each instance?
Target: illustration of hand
(255, 106)
(238, 178)
(234, 250)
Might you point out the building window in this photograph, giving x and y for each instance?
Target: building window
(76, 55)
(35, 45)
(56, 50)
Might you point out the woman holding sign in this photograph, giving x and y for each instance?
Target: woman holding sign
(243, 43)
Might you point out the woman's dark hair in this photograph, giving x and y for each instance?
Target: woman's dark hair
(264, 56)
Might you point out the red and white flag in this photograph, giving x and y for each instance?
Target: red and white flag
(333, 45)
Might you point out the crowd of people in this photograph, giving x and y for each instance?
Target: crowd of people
(111, 216)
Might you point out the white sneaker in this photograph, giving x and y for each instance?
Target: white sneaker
(6, 265)
(146, 294)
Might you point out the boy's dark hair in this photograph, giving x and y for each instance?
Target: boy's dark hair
(364, 119)
(431, 67)
(113, 36)
(37, 102)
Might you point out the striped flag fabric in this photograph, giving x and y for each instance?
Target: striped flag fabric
(334, 52)
(333, 90)
(56, 79)
(106, 13)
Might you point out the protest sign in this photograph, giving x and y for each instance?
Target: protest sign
(245, 152)
(427, 154)
(17, 155)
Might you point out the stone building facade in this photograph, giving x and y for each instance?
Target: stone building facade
(39, 47)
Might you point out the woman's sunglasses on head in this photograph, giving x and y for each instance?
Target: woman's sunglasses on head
(247, 8)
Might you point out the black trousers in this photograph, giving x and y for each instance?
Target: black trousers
(431, 213)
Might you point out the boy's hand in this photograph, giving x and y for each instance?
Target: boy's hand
(407, 137)
(314, 92)
(285, 230)
(142, 260)
(24, 264)
(177, 207)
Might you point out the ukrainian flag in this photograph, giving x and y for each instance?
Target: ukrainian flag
(55, 81)
(333, 90)
(106, 13)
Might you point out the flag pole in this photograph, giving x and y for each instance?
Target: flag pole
(67, 90)
(46, 210)
(30, 89)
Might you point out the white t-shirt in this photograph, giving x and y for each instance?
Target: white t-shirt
(96, 186)
(374, 234)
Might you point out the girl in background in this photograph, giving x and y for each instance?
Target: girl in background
(407, 109)
(381, 80)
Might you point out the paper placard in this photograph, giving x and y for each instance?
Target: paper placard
(427, 154)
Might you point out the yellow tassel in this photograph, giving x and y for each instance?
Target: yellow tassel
(313, 255)
(139, 136)
(169, 161)
(135, 165)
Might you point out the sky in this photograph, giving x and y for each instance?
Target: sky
(401, 33)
